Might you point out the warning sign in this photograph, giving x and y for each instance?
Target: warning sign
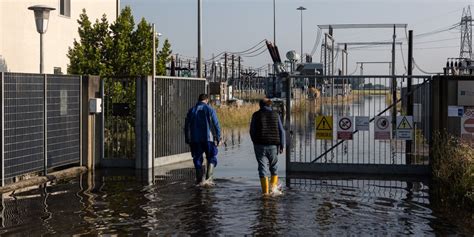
(404, 128)
(382, 128)
(324, 127)
(345, 128)
(362, 123)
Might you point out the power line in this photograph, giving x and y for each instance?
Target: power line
(241, 52)
(421, 70)
(354, 70)
(255, 55)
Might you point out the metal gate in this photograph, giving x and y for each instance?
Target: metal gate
(120, 97)
(357, 96)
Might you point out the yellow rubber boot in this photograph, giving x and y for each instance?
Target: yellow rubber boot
(273, 182)
(264, 183)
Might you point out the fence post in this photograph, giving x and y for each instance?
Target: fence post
(287, 125)
(102, 119)
(80, 121)
(408, 147)
(45, 124)
(3, 127)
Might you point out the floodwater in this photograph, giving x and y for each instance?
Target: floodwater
(121, 203)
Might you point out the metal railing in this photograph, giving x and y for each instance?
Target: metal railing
(40, 122)
(174, 96)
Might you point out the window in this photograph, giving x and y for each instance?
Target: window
(57, 70)
(65, 8)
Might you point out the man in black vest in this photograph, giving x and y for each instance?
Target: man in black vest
(268, 137)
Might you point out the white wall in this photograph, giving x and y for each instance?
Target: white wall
(19, 41)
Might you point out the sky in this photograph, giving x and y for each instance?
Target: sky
(237, 25)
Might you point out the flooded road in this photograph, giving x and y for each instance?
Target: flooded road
(127, 203)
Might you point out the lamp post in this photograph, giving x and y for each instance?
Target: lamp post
(274, 24)
(301, 9)
(41, 19)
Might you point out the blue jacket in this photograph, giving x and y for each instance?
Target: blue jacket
(281, 130)
(201, 124)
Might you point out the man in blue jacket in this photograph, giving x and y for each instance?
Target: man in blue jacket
(268, 137)
(203, 134)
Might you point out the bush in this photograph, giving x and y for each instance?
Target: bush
(453, 169)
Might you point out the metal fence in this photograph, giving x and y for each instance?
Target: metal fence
(30, 129)
(173, 98)
(373, 96)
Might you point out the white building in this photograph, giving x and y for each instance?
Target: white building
(19, 41)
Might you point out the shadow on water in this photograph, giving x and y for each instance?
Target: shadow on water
(127, 202)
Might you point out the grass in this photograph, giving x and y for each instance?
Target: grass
(236, 117)
(249, 95)
(453, 170)
(371, 92)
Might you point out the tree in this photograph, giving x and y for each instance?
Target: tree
(163, 58)
(116, 50)
(88, 55)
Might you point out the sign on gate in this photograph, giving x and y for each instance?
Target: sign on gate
(469, 112)
(467, 128)
(324, 127)
(404, 128)
(383, 128)
(345, 128)
(362, 123)
(455, 111)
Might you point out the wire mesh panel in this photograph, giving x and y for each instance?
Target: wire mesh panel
(23, 131)
(174, 97)
(63, 120)
(358, 96)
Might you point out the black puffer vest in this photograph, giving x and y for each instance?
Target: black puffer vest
(266, 128)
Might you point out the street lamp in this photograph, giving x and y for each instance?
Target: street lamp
(301, 9)
(274, 24)
(41, 18)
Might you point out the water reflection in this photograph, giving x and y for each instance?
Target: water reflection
(126, 202)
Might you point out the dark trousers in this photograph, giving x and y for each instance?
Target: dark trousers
(208, 148)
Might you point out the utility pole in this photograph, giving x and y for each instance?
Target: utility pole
(178, 68)
(199, 74)
(189, 65)
(233, 68)
(238, 73)
(220, 72)
(225, 67)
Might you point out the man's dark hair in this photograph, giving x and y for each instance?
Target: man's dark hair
(203, 97)
(265, 102)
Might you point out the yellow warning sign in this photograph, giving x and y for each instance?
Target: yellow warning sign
(404, 124)
(324, 127)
